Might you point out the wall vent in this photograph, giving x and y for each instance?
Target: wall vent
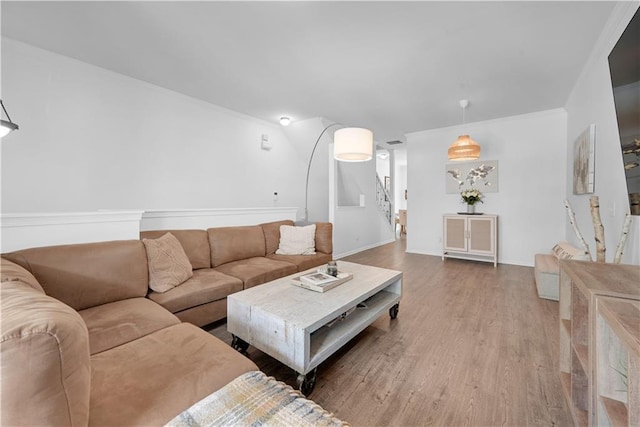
(396, 142)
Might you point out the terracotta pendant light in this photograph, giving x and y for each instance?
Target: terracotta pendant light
(464, 148)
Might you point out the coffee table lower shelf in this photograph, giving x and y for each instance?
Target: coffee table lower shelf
(327, 339)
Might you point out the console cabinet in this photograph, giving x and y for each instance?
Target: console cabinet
(599, 319)
(473, 237)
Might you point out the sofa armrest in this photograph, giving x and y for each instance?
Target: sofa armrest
(44, 360)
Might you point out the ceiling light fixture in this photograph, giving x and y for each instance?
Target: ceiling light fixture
(464, 148)
(6, 126)
(284, 120)
(383, 154)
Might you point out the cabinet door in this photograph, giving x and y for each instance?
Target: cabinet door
(455, 233)
(482, 235)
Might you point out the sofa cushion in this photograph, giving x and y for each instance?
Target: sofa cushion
(271, 232)
(303, 262)
(44, 360)
(10, 271)
(324, 237)
(204, 314)
(235, 243)
(119, 322)
(255, 271)
(205, 286)
(297, 240)
(168, 264)
(151, 390)
(194, 242)
(88, 274)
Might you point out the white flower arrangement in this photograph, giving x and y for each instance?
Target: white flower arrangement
(472, 196)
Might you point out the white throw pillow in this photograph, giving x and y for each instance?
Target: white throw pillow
(297, 240)
(168, 264)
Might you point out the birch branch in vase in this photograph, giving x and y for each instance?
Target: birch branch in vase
(572, 221)
(598, 228)
(623, 238)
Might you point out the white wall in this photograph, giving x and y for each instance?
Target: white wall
(400, 177)
(28, 230)
(180, 219)
(303, 135)
(21, 231)
(383, 166)
(92, 139)
(591, 101)
(531, 155)
(357, 228)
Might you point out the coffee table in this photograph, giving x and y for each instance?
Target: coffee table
(290, 323)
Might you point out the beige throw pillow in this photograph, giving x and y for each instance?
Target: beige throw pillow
(168, 263)
(297, 240)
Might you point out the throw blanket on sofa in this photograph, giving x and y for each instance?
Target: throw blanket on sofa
(253, 399)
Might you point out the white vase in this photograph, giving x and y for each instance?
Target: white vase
(471, 209)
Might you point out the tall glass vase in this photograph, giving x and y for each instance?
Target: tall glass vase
(471, 209)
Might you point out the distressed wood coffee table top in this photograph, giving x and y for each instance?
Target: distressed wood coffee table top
(288, 322)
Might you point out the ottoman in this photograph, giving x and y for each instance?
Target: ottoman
(546, 274)
(547, 270)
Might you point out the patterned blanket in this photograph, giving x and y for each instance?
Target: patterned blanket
(253, 399)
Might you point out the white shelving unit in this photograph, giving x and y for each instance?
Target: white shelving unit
(597, 303)
(617, 362)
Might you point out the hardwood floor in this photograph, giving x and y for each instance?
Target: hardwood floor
(472, 345)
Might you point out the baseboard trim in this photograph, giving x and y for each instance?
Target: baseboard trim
(363, 248)
(500, 261)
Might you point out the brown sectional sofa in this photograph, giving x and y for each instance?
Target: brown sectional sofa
(229, 259)
(85, 343)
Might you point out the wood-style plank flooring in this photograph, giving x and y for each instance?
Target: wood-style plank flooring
(473, 345)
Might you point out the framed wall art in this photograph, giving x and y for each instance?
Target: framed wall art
(482, 175)
(584, 161)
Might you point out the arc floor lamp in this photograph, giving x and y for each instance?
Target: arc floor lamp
(6, 126)
(350, 144)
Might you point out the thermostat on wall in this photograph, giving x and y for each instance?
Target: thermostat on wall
(265, 144)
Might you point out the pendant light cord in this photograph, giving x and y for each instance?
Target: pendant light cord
(464, 110)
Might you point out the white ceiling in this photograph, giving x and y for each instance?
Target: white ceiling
(395, 67)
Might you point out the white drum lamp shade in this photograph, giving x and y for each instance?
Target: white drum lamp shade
(6, 126)
(353, 145)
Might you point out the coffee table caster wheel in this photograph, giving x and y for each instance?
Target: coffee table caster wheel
(239, 345)
(307, 382)
(393, 311)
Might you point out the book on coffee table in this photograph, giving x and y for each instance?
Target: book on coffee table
(321, 282)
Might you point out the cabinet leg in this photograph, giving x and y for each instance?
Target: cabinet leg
(307, 382)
